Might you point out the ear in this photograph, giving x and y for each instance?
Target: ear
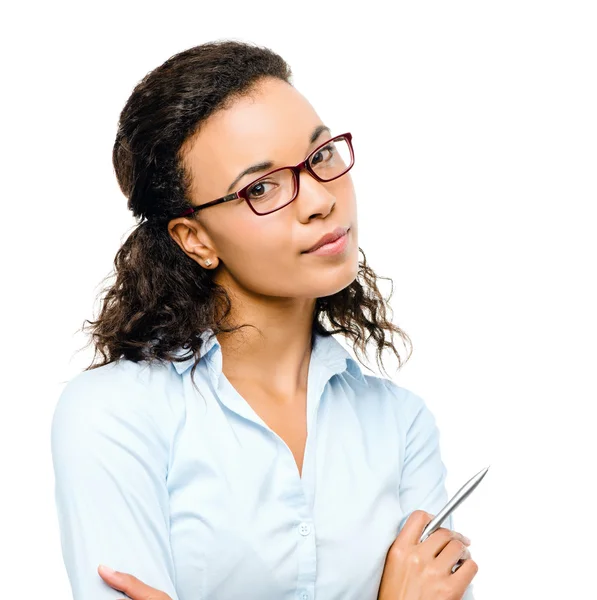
(194, 240)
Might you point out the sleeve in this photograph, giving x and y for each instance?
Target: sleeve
(110, 459)
(423, 477)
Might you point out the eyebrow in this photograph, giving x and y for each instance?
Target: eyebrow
(268, 164)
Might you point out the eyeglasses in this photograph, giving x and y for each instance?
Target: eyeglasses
(280, 187)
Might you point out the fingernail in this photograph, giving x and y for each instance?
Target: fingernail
(107, 570)
(466, 540)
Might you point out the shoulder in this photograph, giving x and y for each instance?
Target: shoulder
(124, 396)
(122, 383)
(389, 392)
(398, 402)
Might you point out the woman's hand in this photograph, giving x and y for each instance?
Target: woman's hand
(130, 585)
(423, 571)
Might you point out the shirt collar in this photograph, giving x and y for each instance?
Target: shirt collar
(327, 350)
(207, 345)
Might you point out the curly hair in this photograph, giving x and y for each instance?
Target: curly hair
(162, 300)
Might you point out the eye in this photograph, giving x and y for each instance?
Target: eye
(323, 154)
(258, 190)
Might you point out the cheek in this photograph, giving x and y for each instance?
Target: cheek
(257, 242)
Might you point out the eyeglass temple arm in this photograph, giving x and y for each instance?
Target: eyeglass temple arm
(228, 198)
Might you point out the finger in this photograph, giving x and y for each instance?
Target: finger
(465, 556)
(130, 585)
(465, 574)
(414, 526)
(442, 536)
(439, 539)
(463, 538)
(449, 534)
(450, 555)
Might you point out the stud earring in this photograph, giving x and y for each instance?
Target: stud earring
(207, 262)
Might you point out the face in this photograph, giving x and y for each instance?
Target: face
(265, 255)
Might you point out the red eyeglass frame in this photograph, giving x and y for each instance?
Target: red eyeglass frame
(296, 169)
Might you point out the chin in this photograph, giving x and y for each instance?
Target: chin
(332, 281)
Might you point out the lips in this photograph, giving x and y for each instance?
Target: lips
(328, 238)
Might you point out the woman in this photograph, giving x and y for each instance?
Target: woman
(227, 445)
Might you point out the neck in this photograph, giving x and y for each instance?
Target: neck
(273, 353)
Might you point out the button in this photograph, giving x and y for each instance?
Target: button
(304, 596)
(304, 529)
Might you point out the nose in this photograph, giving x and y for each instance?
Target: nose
(314, 198)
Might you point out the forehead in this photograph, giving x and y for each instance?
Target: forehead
(274, 123)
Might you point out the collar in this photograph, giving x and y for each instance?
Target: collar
(326, 349)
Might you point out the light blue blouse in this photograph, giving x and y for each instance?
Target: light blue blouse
(196, 496)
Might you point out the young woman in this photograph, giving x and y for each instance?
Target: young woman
(227, 445)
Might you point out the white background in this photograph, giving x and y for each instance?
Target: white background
(475, 132)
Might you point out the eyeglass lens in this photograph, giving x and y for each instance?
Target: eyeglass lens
(277, 189)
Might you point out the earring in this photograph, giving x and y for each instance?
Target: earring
(207, 262)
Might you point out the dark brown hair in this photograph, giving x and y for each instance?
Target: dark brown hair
(161, 299)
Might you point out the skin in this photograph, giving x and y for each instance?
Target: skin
(258, 258)
(260, 261)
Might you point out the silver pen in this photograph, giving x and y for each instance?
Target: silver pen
(447, 510)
